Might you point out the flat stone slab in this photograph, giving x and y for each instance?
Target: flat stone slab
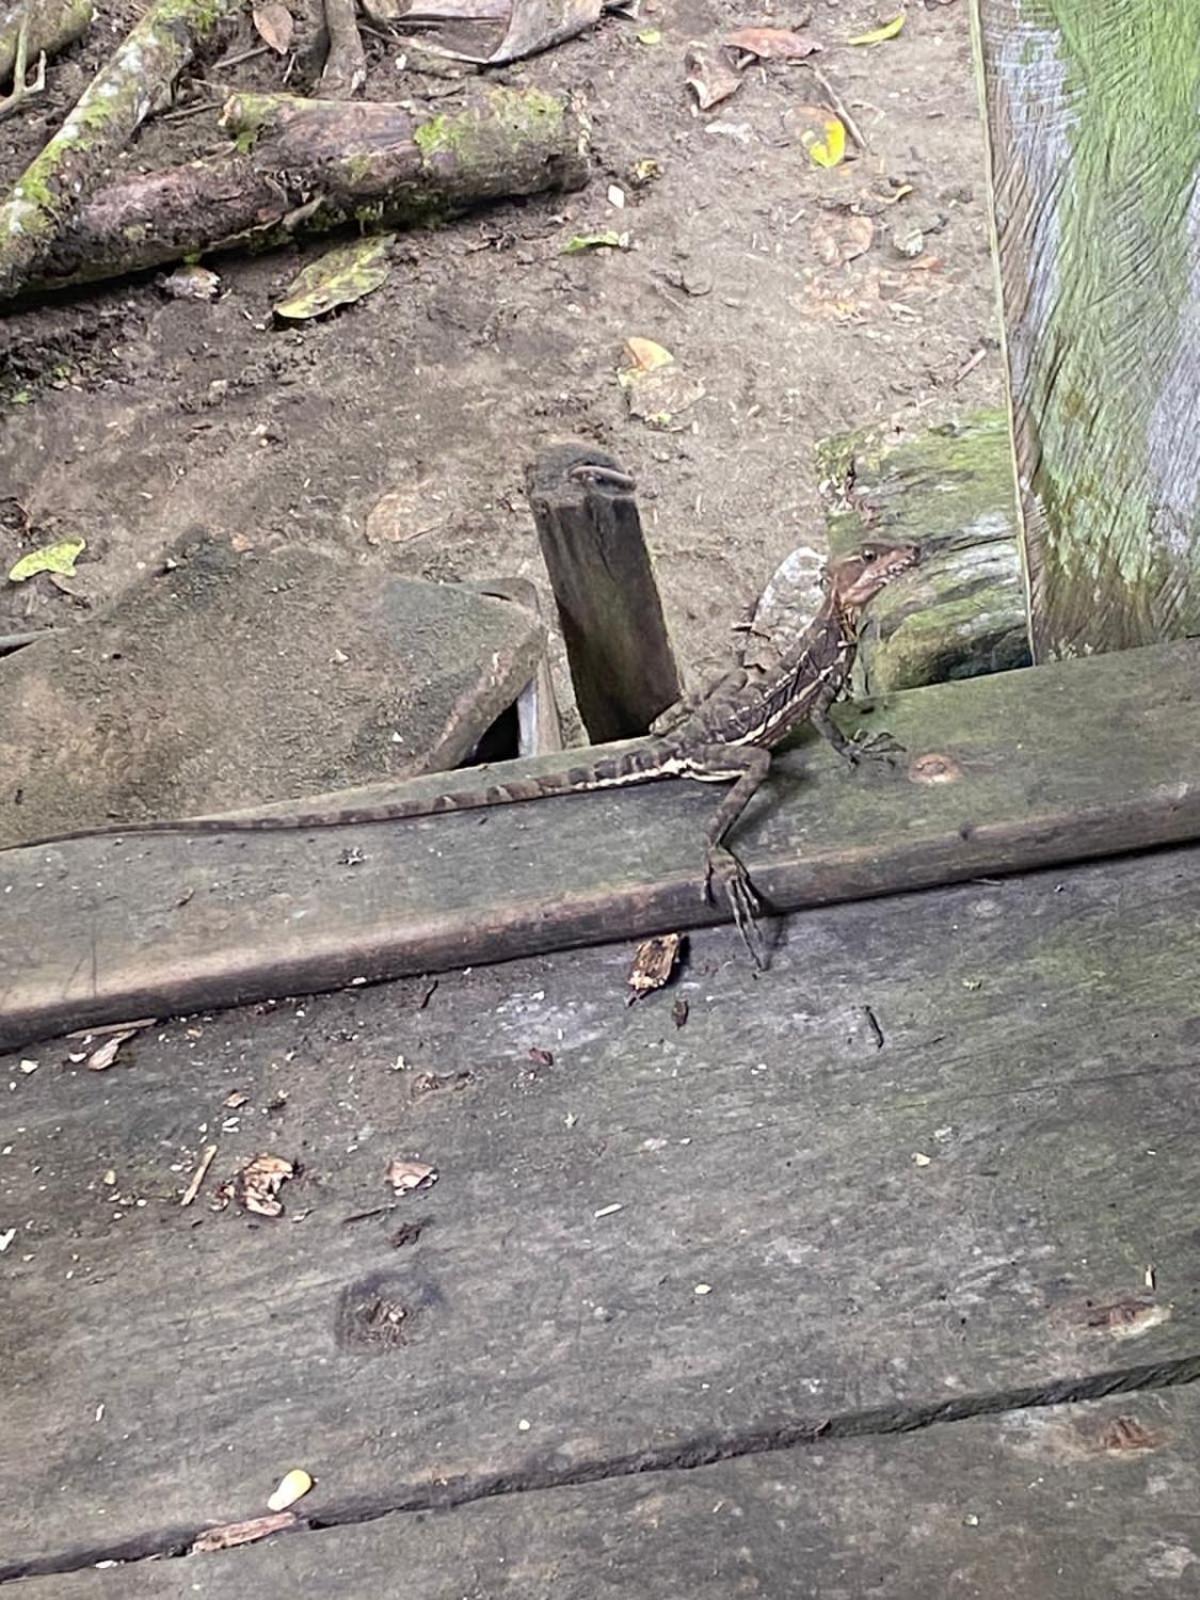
(235, 678)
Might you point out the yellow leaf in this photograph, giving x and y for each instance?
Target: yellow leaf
(650, 36)
(886, 30)
(830, 150)
(58, 557)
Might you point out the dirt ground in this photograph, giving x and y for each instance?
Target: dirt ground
(130, 419)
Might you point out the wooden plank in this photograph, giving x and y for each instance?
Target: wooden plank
(1094, 146)
(963, 1215)
(1052, 764)
(1070, 1503)
(622, 665)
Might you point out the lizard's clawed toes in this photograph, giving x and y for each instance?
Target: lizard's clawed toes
(744, 904)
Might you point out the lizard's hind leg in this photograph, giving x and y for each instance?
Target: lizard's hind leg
(750, 766)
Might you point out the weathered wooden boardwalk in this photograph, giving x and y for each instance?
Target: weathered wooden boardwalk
(876, 1273)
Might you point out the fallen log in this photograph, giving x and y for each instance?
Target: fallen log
(118, 99)
(51, 25)
(309, 166)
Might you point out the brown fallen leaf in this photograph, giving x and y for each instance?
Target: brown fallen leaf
(103, 1057)
(274, 25)
(772, 44)
(710, 76)
(257, 1185)
(232, 1534)
(407, 1176)
(844, 240)
(654, 964)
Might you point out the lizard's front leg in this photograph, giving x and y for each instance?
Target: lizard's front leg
(872, 746)
(749, 766)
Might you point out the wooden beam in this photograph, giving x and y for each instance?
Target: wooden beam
(942, 1159)
(1095, 176)
(622, 665)
(1004, 773)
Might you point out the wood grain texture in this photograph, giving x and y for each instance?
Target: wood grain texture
(1051, 764)
(960, 1216)
(1095, 162)
(590, 531)
(1073, 1502)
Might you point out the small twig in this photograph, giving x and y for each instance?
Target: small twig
(236, 61)
(23, 88)
(193, 1188)
(192, 109)
(838, 105)
(968, 366)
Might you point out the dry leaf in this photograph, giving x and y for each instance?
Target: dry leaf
(103, 1057)
(531, 26)
(274, 24)
(402, 514)
(257, 1186)
(58, 557)
(338, 278)
(709, 76)
(644, 356)
(406, 1176)
(231, 1534)
(886, 30)
(772, 44)
(844, 241)
(655, 963)
(293, 1486)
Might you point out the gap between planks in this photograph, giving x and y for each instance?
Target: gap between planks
(682, 1456)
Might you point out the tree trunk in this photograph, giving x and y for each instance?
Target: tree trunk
(1095, 164)
(313, 165)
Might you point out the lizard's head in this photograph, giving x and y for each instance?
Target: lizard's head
(856, 579)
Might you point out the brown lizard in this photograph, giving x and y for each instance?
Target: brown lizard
(724, 735)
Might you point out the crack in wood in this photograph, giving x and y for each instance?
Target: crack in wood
(682, 1456)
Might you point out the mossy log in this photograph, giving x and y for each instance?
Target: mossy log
(111, 108)
(309, 166)
(1094, 146)
(963, 611)
(52, 25)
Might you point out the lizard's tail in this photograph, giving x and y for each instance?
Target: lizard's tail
(615, 771)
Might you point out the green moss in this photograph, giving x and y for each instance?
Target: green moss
(439, 134)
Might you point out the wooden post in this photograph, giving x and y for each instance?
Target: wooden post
(1094, 147)
(622, 665)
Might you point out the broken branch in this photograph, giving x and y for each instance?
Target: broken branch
(310, 166)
